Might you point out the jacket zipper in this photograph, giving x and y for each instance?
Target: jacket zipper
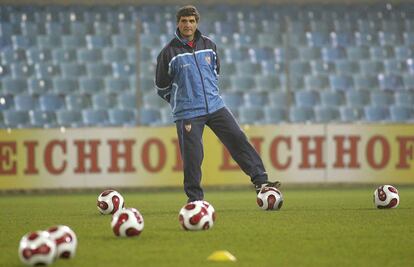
(202, 80)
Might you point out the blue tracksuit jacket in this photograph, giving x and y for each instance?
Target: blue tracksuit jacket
(187, 77)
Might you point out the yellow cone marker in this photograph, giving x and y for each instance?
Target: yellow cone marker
(221, 255)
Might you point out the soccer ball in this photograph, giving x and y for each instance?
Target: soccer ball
(36, 248)
(196, 216)
(109, 202)
(386, 197)
(127, 223)
(65, 239)
(270, 198)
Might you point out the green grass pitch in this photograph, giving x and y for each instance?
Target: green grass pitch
(315, 227)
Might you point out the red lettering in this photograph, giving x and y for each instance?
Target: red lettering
(116, 155)
(370, 152)
(307, 152)
(7, 164)
(48, 157)
(406, 152)
(92, 156)
(162, 155)
(352, 151)
(31, 157)
(274, 158)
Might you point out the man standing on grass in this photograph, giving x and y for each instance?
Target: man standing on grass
(187, 78)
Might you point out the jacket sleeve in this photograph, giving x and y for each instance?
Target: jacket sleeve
(163, 80)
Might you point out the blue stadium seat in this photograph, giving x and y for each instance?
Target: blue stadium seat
(403, 52)
(394, 66)
(25, 102)
(233, 99)
(346, 67)
(21, 70)
(42, 119)
(46, 70)
(259, 54)
(149, 116)
(401, 113)
(316, 82)
(90, 85)
(235, 55)
(147, 84)
(97, 41)
(119, 40)
(227, 68)
(274, 115)
(357, 53)
(331, 54)
(269, 40)
(320, 67)
(251, 115)
(306, 98)
(408, 81)
(390, 82)
(365, 39)
(65, 85)
(343, 25)
(104, 101)
(408, 38)
(297, 67)
(51, 102)
(79, 28)
(6, 102)
(121, 117)
(16, 119)
(151, 99)
(382, 98)
(116, 85)
(247, 68)
(13, 85)
(255, 99)
(391, 26)
(301, 114)
(127, 100)
(350, 114)
(36, 55)
(77, 101)
(54, 28)
(72, 70)
(73, 41)
(95, 117)
(10, 55)
(318, 39)
(224, 83)
(357, 98)
(266, 82)
(23, 42)
(341, 82)
(362, 81)
(342, 38)
(242, 83)
(381, 52)
(103, 28)
(48, 41)
(404, 98)
(69, 118)
(326, 114)
(376, 113)
(331, 98)
(371, 67)
(86, 55)
(114, 55)
(62, 55)
(389, 38)
(307, 53)
(31, 29)
(39, 86)
(123, 69)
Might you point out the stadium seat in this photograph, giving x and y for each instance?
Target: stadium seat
(9, 55)
(21, 70)
(95, 117)
(318, 39)
(86, 55)
(121, 117)
(274, 115)
(116, 85)
(13, 86)
(51, 102)
(381, 52)
(98, 70)
(401, 113)
(369, 82)
(307, 53)
(357, 98)
(247, 68)
(357, 53)
(23, 42)
(48, 41)
(408, 80)
(69, 118)
(89, 85)
(331, 54)
(250, 115)
(6, 102)
(79, 28)
(320, 67)
(403, 52)
(301, 114)
(366, 39)
(77, 101)
(25, 102)
(72, 70)
(39, 86)
(16, 119)
(382, 98)
(62, 55)
(149, 116)
(242, 83)
(389, 38)
(65, 85)
(123, 69)
(101, 28)
(255, 99)
(127, 100)
(306, 98)
(408, 38)
(390, 82)
(233, 99)
(224, 83)
(326, 114)
(297, 67)
(73, 41)
(42, 119)
(342, 38)
(104, 101)
(371, 67)
(350, 114)
(36, 55)
(346, 67)
(376, 113)
(341, 82)
(394, 66)
(331, 98)
(267, 82)
(316, 82)
(114, 55)
(97, 41)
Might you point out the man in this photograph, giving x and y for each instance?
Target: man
(187, 77)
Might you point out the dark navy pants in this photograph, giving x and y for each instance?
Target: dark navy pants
(224, 125)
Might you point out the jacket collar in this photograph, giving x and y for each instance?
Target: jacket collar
(197, 36)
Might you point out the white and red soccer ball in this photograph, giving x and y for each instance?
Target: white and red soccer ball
(127, 223)
(197, 215)
(386, 197)
(109, 202)
(65, 240)
(36, 248)
(270, 198)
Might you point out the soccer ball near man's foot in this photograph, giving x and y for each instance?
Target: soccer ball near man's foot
(109, 202)
(127, 223)
(386, 197)
(36, 248)
(65, 239)
(270, 198)
(197, 215)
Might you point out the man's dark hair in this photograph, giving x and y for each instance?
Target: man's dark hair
(187, 11)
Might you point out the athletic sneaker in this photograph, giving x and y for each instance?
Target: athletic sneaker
(259, 187)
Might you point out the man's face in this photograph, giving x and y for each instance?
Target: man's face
(187, 27)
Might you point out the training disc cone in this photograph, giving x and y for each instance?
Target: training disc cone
(221, 255)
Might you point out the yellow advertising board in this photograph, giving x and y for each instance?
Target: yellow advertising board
(144, 156)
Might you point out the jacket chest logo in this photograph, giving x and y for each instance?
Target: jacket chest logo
(208, 60)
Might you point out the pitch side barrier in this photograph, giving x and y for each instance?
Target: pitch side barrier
(149, 157)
